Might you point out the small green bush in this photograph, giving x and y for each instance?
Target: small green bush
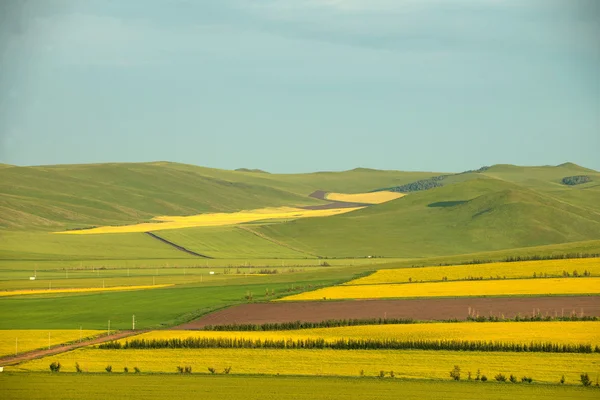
(227, 370)
(108, 368)
(125, 369)
(212, 370)
(562, 380)
(483, 378)
(455, 373)
(500, 378)
(78, 368)
(512, 378)
(585, 379)
(526, 379)
(136, 370)
(55, 367)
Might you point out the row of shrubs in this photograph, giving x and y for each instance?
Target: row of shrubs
(535, 257)
(333, 323)
(455, 374)
(348, 344)
(56, 367)
(500, 377)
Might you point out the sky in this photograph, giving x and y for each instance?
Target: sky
(301, 85)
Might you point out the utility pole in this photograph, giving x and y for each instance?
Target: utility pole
(153, 281)
(133, 322)
(108, 331)
(16, 345)
(48, 340)
(80, 332)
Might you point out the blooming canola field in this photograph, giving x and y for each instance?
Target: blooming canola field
(409, 364)
(215, 219)
(507, 287)
(365, 198)
(522, 269)
(18, 340)
(571, 332)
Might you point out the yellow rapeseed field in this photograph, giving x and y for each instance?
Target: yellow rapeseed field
(365, 198)
(507, 287)
(524, 269)
(506, 332)
(417, 364)
(214, 219)
(31, 339)
(78, 290)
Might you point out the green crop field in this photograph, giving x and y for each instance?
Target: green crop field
(147, 387)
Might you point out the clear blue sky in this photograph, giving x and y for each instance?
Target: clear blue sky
(301, 85)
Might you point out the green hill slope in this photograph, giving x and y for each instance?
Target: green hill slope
(481, 214)
(70, 196)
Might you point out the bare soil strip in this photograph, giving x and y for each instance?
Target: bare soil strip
(62, 348)
(418, 309)
(178, 247)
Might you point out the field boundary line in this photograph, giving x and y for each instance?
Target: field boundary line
(175, 245)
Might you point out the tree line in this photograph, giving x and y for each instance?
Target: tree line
(348, 344)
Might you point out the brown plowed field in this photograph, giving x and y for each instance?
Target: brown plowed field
(419, 309)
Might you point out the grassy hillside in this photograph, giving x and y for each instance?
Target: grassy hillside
(482, 214)
(229, 242)
(70, 196)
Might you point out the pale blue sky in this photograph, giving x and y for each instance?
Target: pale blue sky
(301, 85)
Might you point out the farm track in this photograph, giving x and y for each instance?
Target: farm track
(178, 247)
(417, 309)
(62, 348)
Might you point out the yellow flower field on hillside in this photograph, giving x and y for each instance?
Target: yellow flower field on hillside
(522, 269)
(32, 339)
(214, 219)
(78, 290)
(365, 198)
(410, 364)
(575, 332)
(507, 287)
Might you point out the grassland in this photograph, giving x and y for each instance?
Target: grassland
(410, 364)
(506, 332)
(71, 196)
(365, 198)
(230, 243)
(509, 287)
(157, 307)
(20, 341)
(482, 214)
(160, 387)
(522, 269)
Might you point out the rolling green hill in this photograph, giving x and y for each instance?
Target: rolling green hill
(493, 208)
(71, 196)
(481, 214)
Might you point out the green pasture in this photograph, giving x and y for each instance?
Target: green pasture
(34, 386)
